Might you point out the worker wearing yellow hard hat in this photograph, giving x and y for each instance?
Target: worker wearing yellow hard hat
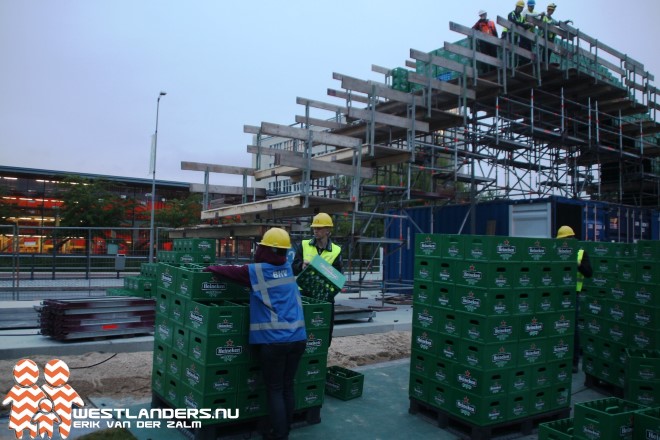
(517, 19)
(584, 270)
(321, 244)
(277, 323)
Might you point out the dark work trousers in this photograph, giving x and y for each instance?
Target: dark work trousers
(332, 321)
(279, 363)
(576, 338)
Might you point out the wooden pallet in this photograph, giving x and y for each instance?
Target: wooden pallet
(467, 430)
(240, 429)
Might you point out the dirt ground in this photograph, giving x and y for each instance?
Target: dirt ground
(128, 375)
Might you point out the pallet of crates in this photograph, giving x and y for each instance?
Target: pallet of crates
(481, 363)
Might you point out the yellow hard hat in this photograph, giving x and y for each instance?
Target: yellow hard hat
(322, 220)
(565, 231)
(277, 238)
(520, 3)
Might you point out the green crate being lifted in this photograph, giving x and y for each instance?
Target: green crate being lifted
(320, 280)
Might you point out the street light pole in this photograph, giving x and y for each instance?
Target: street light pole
(153, 183)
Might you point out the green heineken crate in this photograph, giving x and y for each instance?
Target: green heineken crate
(519, 405)
(560, 348)
(647, 424)
(607, 419)
(448, 347)
(531, 352)
(317, 313)
(421, 363)
(181, 257)
(519, 378)
(215, 318)
(424, 293)
(252, 405)
(443, 296)
(173, 391)
(477, 409)
(492, 248)
(149, 270)
(481, 382)
(158, 380)
(623, 291)
(488, 356)
(524, 275)
(473, 273)
(163, 299)
(425, 269)
(426, 317)
(441, 370)
(537, 249)
(450, 324)
(320, 280)
(489, 329)
(561, 429)
(310, 394)
(211, 379)
(163, 330)
(180, 338)
(167, 276)
(193, 283)
(601, 280)
(643, 338)
(566, 250)
(425, 341)
(643, 392)
(524, 301)
(540, 400)
(561, 371)
(427, 245)
(439, 396)
(138, 283)
(482, 301)
(343, 383)
(644, 294)
(251, 378)
(159, 358)
(445, 271)
(560, 323)
(177, 309)
(618, 311)
(644, 316)
(191, 398)
(312, 368)
(115, 291)
(219, 349)
(642, 364)
(626, 270)
(648, 250)
(554, 299)
(618, 332)
(203, 245)
(452, 247)
(174, 364)
(418, 387)
(541, 376)
(596, 326)
(561, 396)
(317, 342)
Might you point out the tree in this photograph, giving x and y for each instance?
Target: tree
(88, 203)
(178, 213)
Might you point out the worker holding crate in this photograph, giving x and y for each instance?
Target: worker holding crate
(277, 322)
(321, 245)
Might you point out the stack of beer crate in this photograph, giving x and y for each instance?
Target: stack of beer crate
(493, 326)
(202, 358)
(141, 285)
(620, 319)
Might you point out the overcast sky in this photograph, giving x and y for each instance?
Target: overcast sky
(79, 79)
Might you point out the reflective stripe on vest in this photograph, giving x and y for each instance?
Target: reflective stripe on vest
(310, 252)
(580, 277)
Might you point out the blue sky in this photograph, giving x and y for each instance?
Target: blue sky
(80, 78)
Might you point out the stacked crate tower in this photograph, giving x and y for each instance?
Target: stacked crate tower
(620, 319)
(493, 327)
(202, 358)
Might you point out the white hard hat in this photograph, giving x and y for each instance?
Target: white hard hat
(482, 12)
